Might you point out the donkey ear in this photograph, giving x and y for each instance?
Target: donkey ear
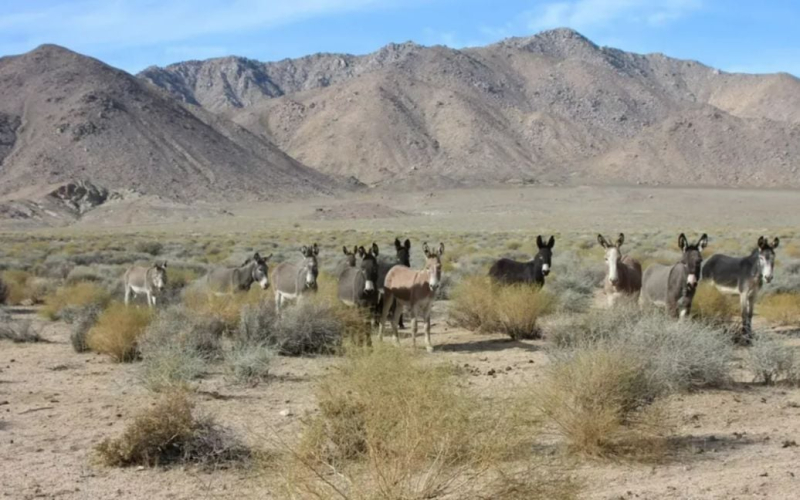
(316, 249)
(539, 241)
(425, 249)
(551, 242)
(407, 244)
(761, 242)
(344, 249)
(267, 257)
(397, 244)
(304, 250)
(703, 241)
(164, 265)
(441, 249)
(602, 241)
(256, 257)
(682, 243)
(361, 252)
(775, 243)
(374, 249)
(620, 240)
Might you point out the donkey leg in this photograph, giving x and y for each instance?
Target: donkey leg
(387, 302)
(398, 309)
(278, 303)
(414, 331)
(428, 345)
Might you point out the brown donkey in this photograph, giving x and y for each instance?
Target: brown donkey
(623, 273)
(414, 289)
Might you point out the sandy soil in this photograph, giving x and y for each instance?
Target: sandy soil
(55, 405)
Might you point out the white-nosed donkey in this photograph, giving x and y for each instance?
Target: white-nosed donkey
(150, 281)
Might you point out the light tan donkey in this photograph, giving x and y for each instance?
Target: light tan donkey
(150, 281)
(623, 272)
(415, 290)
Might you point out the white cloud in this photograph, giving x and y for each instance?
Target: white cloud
(584, 14)
(126, 24)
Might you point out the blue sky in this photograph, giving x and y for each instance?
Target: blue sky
(746, 36)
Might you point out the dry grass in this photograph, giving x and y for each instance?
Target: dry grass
(23, 288)
(780, 308)
(711, 305)
(600, 402)
(391, 427)
(169, 432)
(117, 331)
(225, 308)
(771, 360)
(480, 305)
(20, 332)
(75, 296)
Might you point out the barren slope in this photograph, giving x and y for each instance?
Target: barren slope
(67, 117)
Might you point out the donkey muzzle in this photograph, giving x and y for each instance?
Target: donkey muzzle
(768, 279)
(692, 280)
(264, 283)
(369, 286)
(546, 269)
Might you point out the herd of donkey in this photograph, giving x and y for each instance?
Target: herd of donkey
(390, 287)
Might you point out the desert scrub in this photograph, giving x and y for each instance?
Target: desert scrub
(394, 427)
(711, 305)
(677, 355)
(771, 360)
(223, 308)
(780, 308)
(481, 305)
(118, 330)
(3, 291)
(75, 296)
(249, 363)
(574, 281)
(177, 348)
(85, 318)
(23, 288)
(600, 401)
(169, 433)
(20, 332)
(311, 327)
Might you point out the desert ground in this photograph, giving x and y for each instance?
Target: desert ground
(733, 440)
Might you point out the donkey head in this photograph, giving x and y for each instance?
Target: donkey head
(545, 253)
(433, 264)
(159, 276)
(403, 252)
(613, 256)
(692, 257)
(260, 272)
(350, 256)
(369, 266)
(766, 257)
(309, 265)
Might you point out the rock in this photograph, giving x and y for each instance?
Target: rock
(286, 413)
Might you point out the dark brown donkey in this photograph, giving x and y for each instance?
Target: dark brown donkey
(534, 271)
(674, 286)
(623, 273)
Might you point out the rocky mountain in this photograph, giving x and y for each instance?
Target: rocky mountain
(66, 118)
(553, 107)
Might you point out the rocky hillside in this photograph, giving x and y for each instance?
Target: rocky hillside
(65, 117)
(548, 108)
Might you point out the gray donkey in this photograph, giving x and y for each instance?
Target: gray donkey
(225, 280)
(292, 280)
(150, 281)
(674, 286)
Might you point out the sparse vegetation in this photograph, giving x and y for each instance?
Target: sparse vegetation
(118, 330)
(19, 332)
(514, 310)
(83, 322)
(73, 297)
(780, 308)
(392, 427)
(249, 363)
(169, 433)
(22, 288)
(711, 305)
(771, 360)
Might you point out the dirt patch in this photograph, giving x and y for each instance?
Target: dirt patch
(354, 211)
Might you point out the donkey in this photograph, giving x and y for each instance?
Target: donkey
(623, 273)
(743, 276)
(674, 286)
(225, 280)
(402, 258)
(534, 271)
(150, 281)
(358, 284)
(349, 260)
(292, 281)
(414, 289)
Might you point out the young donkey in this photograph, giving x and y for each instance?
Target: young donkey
(402, 258)
(674, 286)
(509, 271)
(743, 276)
(225, 280)
(358, 284)
(150, 281)
(414, 289)
(292, 281)
(623, 273)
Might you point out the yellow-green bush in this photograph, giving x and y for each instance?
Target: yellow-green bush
(709, 304)
(780, 308)
(118, 330)
(79, 295)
